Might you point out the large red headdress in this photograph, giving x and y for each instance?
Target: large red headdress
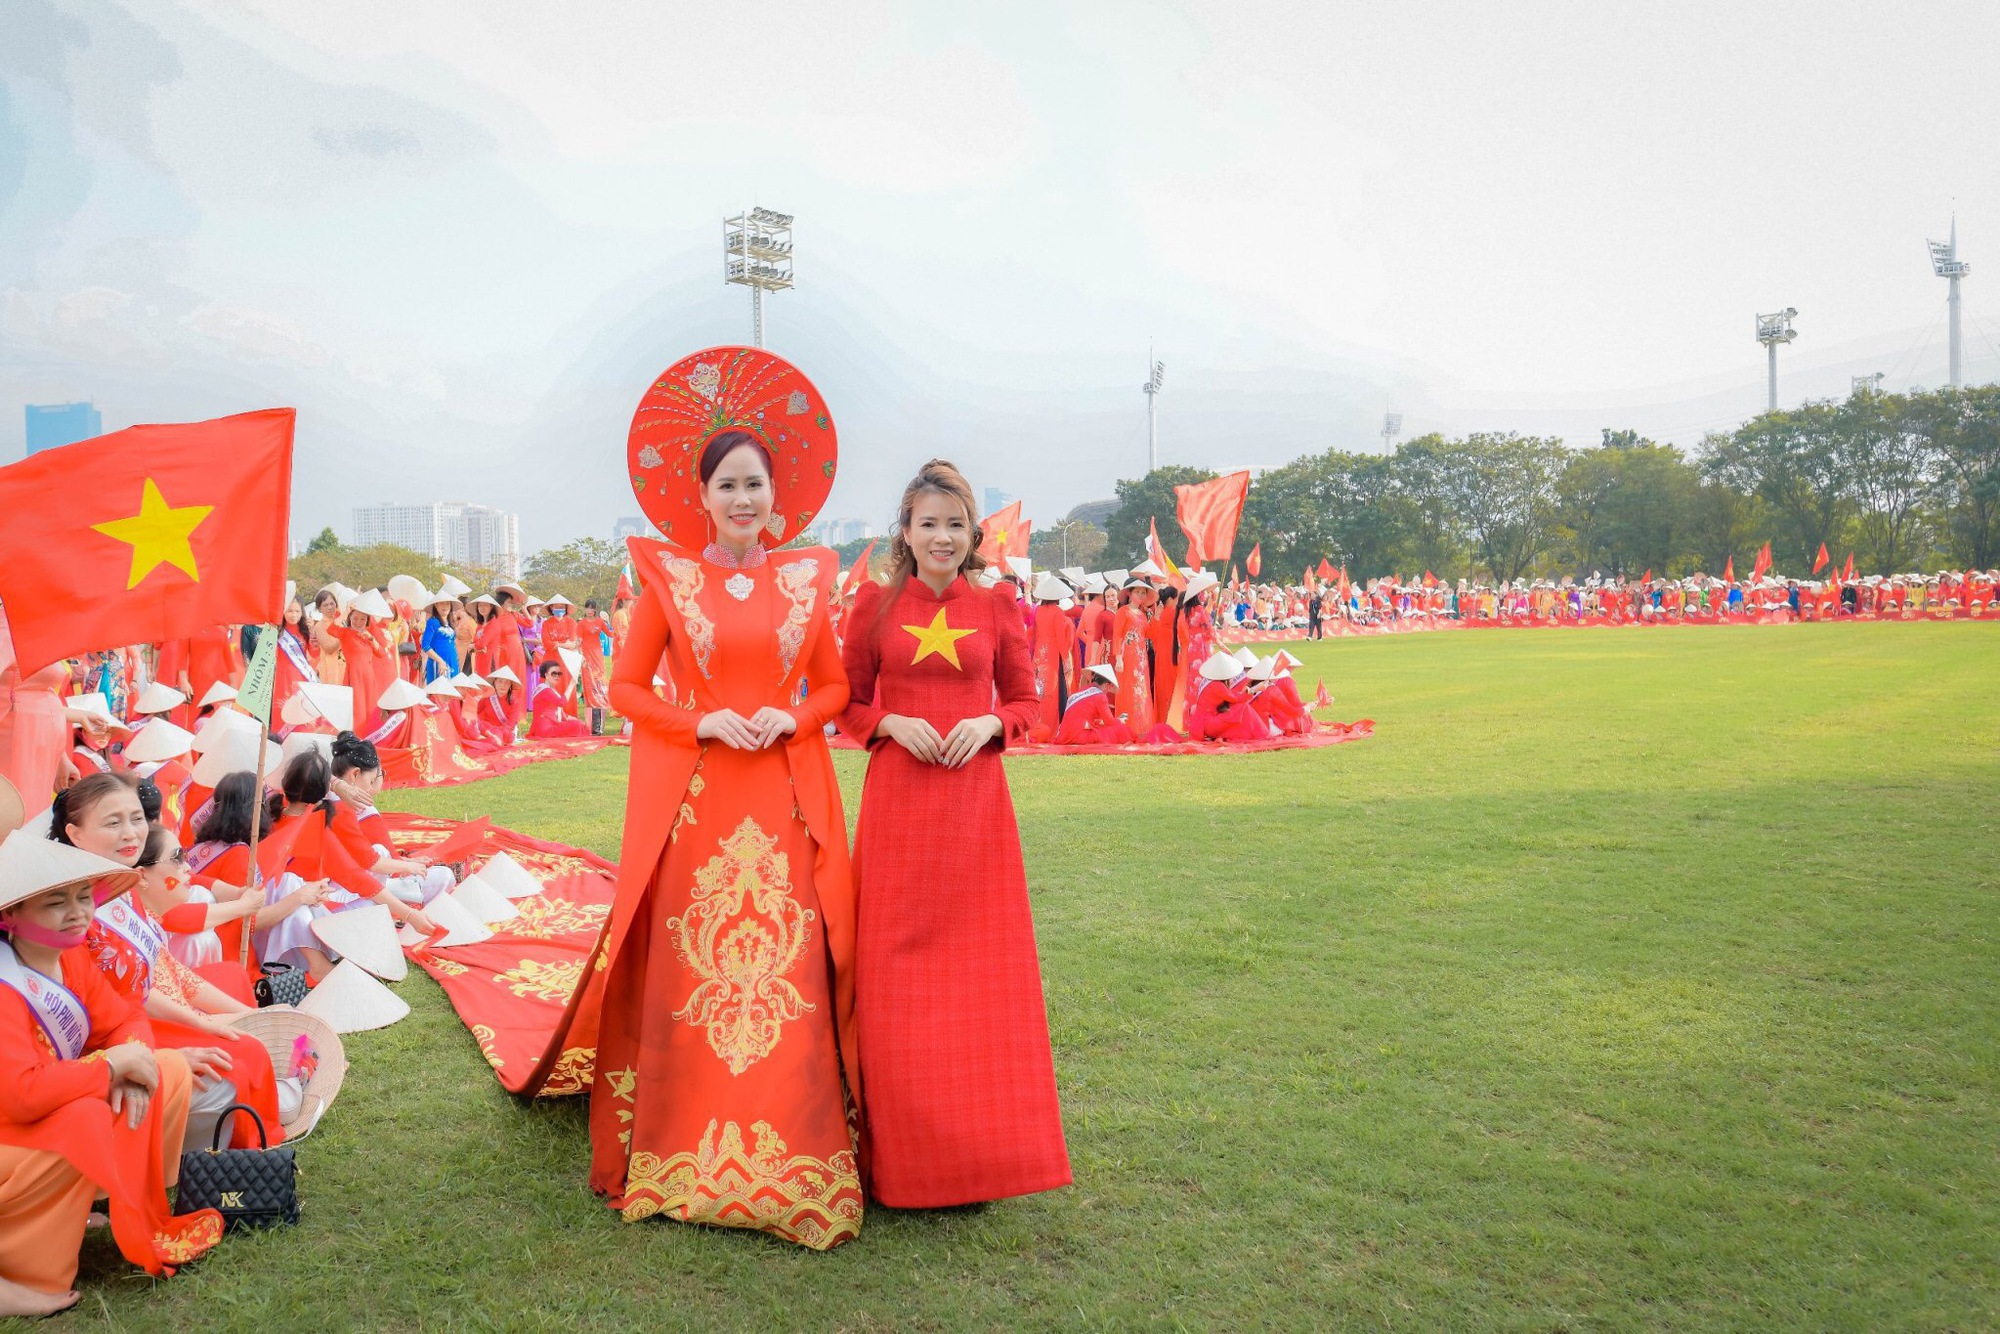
(730, 389)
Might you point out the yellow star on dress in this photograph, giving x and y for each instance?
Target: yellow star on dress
(938, 637)
(158, 535)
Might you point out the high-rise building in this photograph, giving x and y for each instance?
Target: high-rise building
(458, 533)
(632, 525)
(837, 532)
(996, 500)
(54, 424)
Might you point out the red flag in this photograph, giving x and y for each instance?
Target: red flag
(624, 589)
(1763, 564)
(1307, 580)
(860, 570)
(1159, 556)
(147, 534)
(1254, 562)
(1321, 699)
(1647, 577)
(1325, 569)
(1004, 535)
(462, 842)
(1430, 580)
(1729, 571)
(1821, 561)
(1208, 513)
(1847, 575)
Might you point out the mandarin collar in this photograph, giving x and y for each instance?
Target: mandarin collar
(951, 590)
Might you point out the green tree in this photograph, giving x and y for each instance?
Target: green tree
(1327, 506)
(1894, 475)
(1796, 463)
(1142, 502)
(1424, 499)
(326, 541)
(1068, 542)
(1505, 489)
(363, 567)
(586, 569)
(1629, 507)
(1964, 425)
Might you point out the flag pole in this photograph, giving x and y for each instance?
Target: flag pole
(257, 692)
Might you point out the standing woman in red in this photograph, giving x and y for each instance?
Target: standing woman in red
(728, 992)
(371, 654)
(958, 1087)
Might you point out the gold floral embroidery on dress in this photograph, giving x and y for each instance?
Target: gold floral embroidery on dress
(741, 933)
(549, 866)
(815, 1202)
(571, 1073)
(196, 1238)
(543, 981)
(684, 584)
(449, 967)
(622, 1083)
(548, 918)
(483, 1035)
(795, 581)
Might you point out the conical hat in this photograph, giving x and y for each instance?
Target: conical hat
(1200, 582)
(298, 743)
(1221, 667)
(1022, 567)
(158, 697)
(220, 693)
(218, 725)
(373, 603)
(400, 695)
(279, 1027)
(237, 753)
(1105, 672)
(451, 587)
(559, 601)
(350, 1001)
(1148, 569)
(99, 708)
(458, 922)
(409, 937)
(442, 688)
(1245, 656)
(408, 588)
(484, 902)
(32, 864)
(505, 673)
(1048, 588)
(509, 877)
(315, 700)
(1264, 670)
(13, 811)
(572, 662)
(159, 741)
(1074, 573)
(367, 935)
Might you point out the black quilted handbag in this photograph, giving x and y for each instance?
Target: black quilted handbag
(281, 984)
(248, 1187)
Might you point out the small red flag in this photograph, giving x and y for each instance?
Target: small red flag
(1254, 562)
(1729, 571)
(1847, 575)
(860, 570)
(1763, 563)
(1321, 699)
(1325, 569)
(1004, 536)
(1208, 513)
(463, 841)
(147, 534)
(624, 589)
(1647, 577)
(1821, 561)
(1430, 580)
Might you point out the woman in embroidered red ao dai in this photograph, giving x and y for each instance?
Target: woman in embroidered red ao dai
(958, 1085)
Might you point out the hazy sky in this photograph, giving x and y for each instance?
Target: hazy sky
(461, 238)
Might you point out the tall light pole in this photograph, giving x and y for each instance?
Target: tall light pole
(1946, 264)
(757, 254)
(1858, 385)
(1156, 379)
(1771, 331)
(1392, 426)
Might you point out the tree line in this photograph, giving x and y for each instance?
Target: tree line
(1903, 481)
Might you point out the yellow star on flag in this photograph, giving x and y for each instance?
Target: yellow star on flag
(938, 637)
(158, 535)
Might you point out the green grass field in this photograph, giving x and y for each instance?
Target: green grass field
(1623, 979)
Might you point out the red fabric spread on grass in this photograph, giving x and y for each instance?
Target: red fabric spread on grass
(1329, 734)
(403, 772)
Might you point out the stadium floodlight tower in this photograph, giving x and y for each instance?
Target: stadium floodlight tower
(1771, 331)
(1392, 426)
(1861, 385)
(757, 254)
(1946, 264)
(1156, 379)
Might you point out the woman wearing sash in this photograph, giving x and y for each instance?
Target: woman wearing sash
(728, 996)
(294, 661)
(499, 644)
(281, 922)
(86, 1106)
(958, 1096)
(101, 815)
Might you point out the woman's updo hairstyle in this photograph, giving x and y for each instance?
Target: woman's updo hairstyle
(722, 445)
(352, 753)
(939, 477)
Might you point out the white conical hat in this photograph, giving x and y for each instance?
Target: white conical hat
(32, 863)
(158, 697)
(219, 725)
(315, 700)
(442, 688)
(1148, 569)
(373, 603)
(408, 588)
(509, 877)
(1286, 661)
(1245, 656)
(367, 935)
(468, 681)
(1049, 588)
(572, 662)
(1023, 568)
(400, 695)
(458, 922)
(279, 1027)
(1117, 578)
(558, 601)
(1221, 667)
(989, 576)
(351, 1001)
(236, 753)
(298, 743)
(1265, 669)
(99, 708)
(483, 600)
(451, 587)
(1074, 573)
(484, 902)
(1105, 672)
(505, 673)
(158, 742)
(220, 693)
(1200, 582)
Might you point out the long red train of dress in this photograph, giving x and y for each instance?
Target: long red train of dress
(727, 998)
(958, 1084)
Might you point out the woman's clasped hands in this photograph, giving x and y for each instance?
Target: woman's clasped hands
(762, 728)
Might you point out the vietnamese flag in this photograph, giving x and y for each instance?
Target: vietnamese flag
(1729, 571)
(1254, 562)
(147, 534)
(1763, 564)
(1847, 575)
(1158, 554)
(1821, 561)
(1325, 569)
(859, 572)
(1004, 535)
(1208, 513)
